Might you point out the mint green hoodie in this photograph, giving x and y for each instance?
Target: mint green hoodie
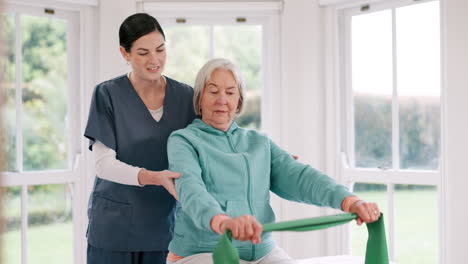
(233, 173)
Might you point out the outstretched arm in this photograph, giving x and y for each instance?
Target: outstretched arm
(299, 182)
(295, 181)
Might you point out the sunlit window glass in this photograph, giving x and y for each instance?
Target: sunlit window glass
(416, 215)
(372, 87)
(11, 235)
(187, 50)
(243, 45)
(44, 87)
(8, 79)
(50, 228)
(190, 46)
(418, 82)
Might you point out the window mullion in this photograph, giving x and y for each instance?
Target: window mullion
(395, 105)
(24, 224)
(70, 104)
(350, 126)
(212, 42)
(19, 135)
(391, 176)
(391, 220)
(18, 94)
(395, 143)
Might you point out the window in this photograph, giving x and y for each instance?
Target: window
(39, 78)
(391, 120)
(195, 34)
(240, 43)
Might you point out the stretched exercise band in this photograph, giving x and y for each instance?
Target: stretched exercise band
(376, 250)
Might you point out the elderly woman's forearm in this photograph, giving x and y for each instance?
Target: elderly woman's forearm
(196, 202)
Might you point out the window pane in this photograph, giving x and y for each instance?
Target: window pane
(44, 87)
(372, 87)
(416, 224)
(8, 79)
(243, 45)
(11, 238)
(187, 51)
(418, 64)
(376, 193)
(50, 231)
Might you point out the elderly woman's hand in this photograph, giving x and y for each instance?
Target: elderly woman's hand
(367, 212)
(243, 228)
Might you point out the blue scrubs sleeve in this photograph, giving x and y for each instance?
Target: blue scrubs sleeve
(101, 119)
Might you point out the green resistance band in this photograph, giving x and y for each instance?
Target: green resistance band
(376, 250)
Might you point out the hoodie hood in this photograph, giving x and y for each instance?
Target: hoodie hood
(199, 124)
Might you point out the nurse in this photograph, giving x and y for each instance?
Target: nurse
(131, 208)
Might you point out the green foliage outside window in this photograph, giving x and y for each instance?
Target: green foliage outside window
(44, 90)
(419, 131)
(44, 109)
(241, 44)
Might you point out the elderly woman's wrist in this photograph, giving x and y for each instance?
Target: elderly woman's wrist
(349, 202)
(217, 221)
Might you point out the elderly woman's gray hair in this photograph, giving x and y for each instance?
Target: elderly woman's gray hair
(205, 74)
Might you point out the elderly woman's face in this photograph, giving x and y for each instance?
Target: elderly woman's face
(220, 99)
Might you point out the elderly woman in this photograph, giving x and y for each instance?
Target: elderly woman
(228, 173)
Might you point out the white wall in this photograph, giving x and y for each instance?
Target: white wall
(111, 14)
(455, 16)
(302, 96)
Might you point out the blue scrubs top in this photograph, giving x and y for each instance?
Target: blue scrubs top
(124, 217)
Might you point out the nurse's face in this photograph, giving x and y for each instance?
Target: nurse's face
(147, 56)
(220, 99)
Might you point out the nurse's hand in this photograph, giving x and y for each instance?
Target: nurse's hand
(243, 228)
(163, 178)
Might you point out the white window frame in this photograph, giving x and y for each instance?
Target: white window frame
(80, 15)
(391, 175)
(337, 16)
(19, 176)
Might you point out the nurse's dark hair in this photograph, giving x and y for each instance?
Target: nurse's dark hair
(136, 26)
